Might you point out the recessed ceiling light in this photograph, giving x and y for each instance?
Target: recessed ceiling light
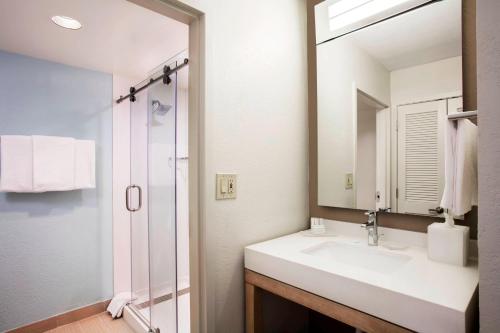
(66, 22)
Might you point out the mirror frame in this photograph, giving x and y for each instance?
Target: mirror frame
(391, 220)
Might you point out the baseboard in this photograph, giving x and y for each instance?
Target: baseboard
(63, 319)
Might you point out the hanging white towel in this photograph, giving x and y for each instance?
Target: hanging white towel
(84, 164)
(449, 166)
(53, 163)
(115, 308)
(466, 168)
(16, 163)
(460, 191)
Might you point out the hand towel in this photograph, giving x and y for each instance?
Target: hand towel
(460, 191)
(84, 164)
(466, 168)
(119, 301)
(53, 163)
(16, 163)
(449, 166)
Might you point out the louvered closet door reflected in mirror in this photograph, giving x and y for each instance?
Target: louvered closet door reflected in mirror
(421, 130)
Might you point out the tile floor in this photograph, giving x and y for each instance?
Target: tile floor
(102, 323)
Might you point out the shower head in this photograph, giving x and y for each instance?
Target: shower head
(159, 108)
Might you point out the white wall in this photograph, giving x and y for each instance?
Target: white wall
(428, 81)
(488, 62)
(255, 125)
(366, 155)
(342, 68)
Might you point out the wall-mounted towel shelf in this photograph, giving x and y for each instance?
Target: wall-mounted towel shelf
(38, 163)
(463, 115)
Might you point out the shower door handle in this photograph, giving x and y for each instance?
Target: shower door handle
(127, 197)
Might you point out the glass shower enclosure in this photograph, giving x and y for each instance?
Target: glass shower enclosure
(151, 200)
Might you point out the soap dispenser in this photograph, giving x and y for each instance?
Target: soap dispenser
(447, 242)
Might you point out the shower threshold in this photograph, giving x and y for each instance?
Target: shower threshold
(135, 317)
(134, 320)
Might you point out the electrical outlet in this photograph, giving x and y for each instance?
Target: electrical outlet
(225, 186)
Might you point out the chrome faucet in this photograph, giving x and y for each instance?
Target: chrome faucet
(372, 227)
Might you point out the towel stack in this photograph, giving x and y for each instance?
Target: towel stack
(46, 163)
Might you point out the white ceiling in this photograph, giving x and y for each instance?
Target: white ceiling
(427, 34)
(117, 36)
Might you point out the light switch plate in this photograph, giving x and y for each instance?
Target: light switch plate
(225, 186)
(348, 181)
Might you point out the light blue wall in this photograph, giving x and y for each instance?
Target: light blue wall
(55, 248)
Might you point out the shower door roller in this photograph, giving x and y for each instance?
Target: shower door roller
(127, 197)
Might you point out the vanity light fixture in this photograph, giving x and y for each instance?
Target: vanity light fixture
(345, 12)
(342, 6)
(66, 22)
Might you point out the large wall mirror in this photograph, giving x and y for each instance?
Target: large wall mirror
(388, 75)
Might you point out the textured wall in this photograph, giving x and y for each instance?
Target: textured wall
(255, 125)
(488, 84)
(55, 248)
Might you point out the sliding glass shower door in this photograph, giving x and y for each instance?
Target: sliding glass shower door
(151, 198)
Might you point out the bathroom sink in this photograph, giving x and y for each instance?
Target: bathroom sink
(394, 281)
(363, 256)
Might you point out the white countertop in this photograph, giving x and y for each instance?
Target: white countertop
(420, 294)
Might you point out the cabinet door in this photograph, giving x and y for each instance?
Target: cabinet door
(421, 156)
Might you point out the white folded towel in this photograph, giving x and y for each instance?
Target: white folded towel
(460, 191)
(16, 163)
(53, 163)
(84, 164)
(119, 301)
